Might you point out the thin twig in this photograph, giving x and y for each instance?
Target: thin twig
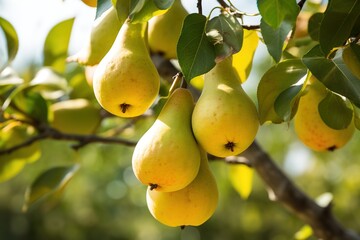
(199, 6)
(51, 133)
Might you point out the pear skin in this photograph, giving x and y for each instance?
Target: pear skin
(126, 82)
(190, 206)
(102, 36)
(309, 126)
(167, 157)
(75, 116)
(225, 120)
(164, 30)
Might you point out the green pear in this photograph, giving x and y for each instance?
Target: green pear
(167, 157)
(190, 206)
(164, 30)
(309, 126)
(225, 120)
(75, 116)
(13, 134)
(126, 82)
(102, 36)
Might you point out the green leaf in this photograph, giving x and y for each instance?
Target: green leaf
(286, 103)
(314, 25)
(163, 4)
(33, 104)
(274, 12)
(143, 11)
(339, 19)
(12, 41)
(56, 45)
(195, 53)
(277, 79)
(136, 6)
(49, 182)
(9, 77)
(335, 112)
(102, 6)
(333, 73)
(356, 28)
(226, 33)
(274, 38)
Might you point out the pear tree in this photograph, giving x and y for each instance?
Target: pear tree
(168, 85)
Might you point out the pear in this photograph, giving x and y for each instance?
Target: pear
(190, 206)
(75, 116)
(90, 3)
(164, 30)
(309, 126)
(102, 36)
(126, 82)
(225, 120)
(167, 157)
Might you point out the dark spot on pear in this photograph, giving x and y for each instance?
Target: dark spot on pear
(230, 146)
(124, 107)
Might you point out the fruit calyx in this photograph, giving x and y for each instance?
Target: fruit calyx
(230, 146)
(124, 107)
(153, 186)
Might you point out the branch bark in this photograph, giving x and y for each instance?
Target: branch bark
(321, 219)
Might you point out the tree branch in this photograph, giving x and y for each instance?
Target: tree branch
(323, 223)
(82, 140)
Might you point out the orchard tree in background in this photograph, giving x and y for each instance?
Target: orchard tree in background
(151, 59)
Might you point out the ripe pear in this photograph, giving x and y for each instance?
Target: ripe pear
(11, 164)
(164, 30)
(167, 157)
(126, 82)
(90, 3)
(309, 126)
(75, 116)
(190, 206)
(225, 120)
(102, 36)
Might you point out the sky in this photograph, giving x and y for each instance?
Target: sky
(33, 19)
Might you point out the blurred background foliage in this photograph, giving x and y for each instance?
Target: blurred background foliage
(105, 201)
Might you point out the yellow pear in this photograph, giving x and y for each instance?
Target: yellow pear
(167, 157)
(102, 36)
(75, 116)
(190, 206)
(90, 3)
(309, 126)
(225, 120)
(164, 30)
(126, 82)
(12, 163)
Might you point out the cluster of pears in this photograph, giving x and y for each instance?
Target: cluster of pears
(171, 157)
(125, 80)
(309, 126)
